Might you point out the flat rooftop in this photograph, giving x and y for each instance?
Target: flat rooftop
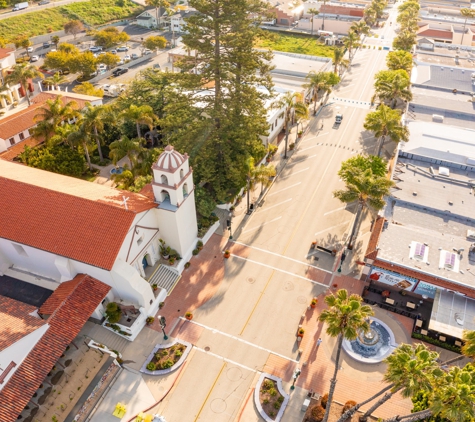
(444, 77)
(297, 65)
(432, 213)
(23, 292)
(436, 141)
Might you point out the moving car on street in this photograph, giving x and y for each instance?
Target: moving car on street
(120, 71)
(338, 118)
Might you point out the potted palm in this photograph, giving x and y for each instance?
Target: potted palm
(150, 320)
(313, 303)
(300, 332)
(155, 287)
(227, 254)
(164, 249)
(189, 316)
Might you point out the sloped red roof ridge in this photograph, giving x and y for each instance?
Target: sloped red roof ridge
(59, 296)
(5, 52)
(86, 222)
(65, 324)
(16, 321)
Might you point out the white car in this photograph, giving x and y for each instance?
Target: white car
(121, 61)
(126, 57)
(147, 51)
(101, 67)
(29, 49)
(34, 58)
(123, 48)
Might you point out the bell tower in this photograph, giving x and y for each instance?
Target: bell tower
(173, 190)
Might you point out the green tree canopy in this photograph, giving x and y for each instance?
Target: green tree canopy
(87, 88)
(22, 74)
(110, 36)
(154, 42)
(399, 60)
(377, 165)
(393, 85)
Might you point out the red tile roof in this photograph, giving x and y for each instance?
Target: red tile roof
(70, 217)
(5, 52)
(371, 251)
(436, 33)
(11, 153)
(24, 119)
(16, 321)
(65, 324)
(59, 296)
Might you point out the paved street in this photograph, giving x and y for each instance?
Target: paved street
(247, 308)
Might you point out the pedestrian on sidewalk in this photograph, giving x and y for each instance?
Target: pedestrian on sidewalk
(319, 341)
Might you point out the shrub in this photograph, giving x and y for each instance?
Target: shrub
(271, 414)
(318, 413)
(348, 405)
(195, 252)
(277, 405)
(187, 265)
(324, 400)
(280, 399)
(436, 342)
(265, 401)
(199, 244)
(151, 366)
(178, 353)
(267, 385)
(272, 149)
(113, 312)
(167, 364)
(273, 392)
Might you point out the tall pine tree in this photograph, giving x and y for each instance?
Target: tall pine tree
(227, 94)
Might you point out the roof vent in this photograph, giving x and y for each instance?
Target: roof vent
(444, 171)
(414, 193)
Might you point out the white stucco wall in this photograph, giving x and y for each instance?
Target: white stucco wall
(19, 350)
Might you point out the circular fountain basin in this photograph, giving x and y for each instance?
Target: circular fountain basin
(117, 170)
(374, 346)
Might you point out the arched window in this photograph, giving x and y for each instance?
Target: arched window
(182, 174)
(185, 190)
(164, 180)
(164, 196)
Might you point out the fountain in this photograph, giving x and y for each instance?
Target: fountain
(374, 345)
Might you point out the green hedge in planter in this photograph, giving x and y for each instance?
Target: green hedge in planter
(436, 342)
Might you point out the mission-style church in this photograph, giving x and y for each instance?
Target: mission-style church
(54, 227)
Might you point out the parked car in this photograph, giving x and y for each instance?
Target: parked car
(29, 49)
(120, 71)
(123, 48)
(95, 49)
(338, 118)
(46, 44)
(121, 61)
(134, 56)
(147, 51)
(127, 57)
(113, 51)
(42, 2)
(101, 67)
(34, 58)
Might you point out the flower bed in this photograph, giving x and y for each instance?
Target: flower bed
(436, 342)
(270, 398)
(166, 357)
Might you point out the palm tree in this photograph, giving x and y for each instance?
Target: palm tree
(323, 16)
(293, 105)
(360, 28)
(393, 85)
(339, 61)
(466, 13)
(124, 147)
(53, 114)
(405, 40)
(55, 80)
(140, 115)
(400, 59)
(452, 398)
(301, 113)
(385, 122)
(318, 81)
(368, 190)
(22, 74)
(158, 4)
(345, 318)
(80, 137)
(93, 120)
(260, 174)
(352, 40)
(410, 369)
(312, 12)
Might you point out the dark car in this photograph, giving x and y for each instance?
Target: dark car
(120, 71)
(46, 44)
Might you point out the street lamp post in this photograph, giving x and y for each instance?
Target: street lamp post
(296, 375)
(163, 324)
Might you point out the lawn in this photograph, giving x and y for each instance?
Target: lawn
(94, 12)
(293, 43)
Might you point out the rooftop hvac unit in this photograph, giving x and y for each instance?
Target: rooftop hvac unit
(471, 234)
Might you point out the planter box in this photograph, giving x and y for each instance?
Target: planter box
(166, 346)
(257, 402)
